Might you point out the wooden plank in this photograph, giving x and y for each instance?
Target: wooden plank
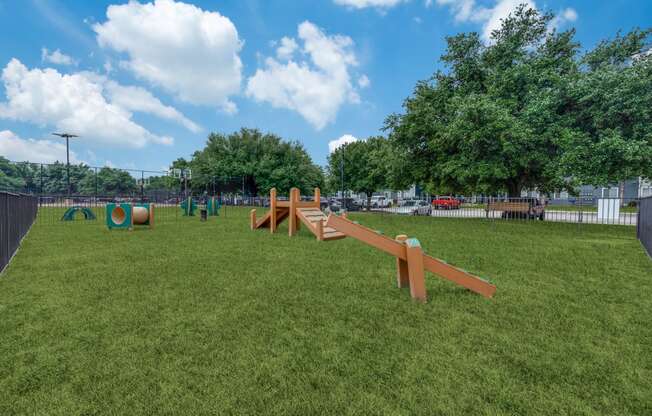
(252, 219)
(415, 269)
(272, 209)
(320, 230)
(367, 236)
(292, 226)
(311, 226)
(298, 204)
(458, 276)
(396, 249)
(402, 277)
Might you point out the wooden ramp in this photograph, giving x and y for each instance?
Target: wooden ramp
(266, 220)
(315, 221)
(411, 261)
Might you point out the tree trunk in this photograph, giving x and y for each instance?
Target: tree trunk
(514, 190)
(368, 202)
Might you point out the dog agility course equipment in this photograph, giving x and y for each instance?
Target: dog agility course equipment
(213, 206)
(188, 206)
(296, 211)
(69, 215)
(411, 262)
(125, 215)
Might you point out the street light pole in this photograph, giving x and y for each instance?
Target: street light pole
(67, 136)
(342, 173)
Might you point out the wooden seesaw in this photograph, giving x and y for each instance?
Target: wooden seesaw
(410, 259)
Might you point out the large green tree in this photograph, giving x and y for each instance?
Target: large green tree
(263, 160)
(611, 110)
(108, 182)
(522, 112)
(365, 166)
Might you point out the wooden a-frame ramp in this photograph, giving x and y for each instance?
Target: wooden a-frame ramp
(296, 211)
(411, 262)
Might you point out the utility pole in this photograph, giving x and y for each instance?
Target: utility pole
(342, 173)
(67, 136)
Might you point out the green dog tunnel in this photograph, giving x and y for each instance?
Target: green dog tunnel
(125, 215)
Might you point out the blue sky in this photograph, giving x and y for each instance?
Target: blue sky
(144, 83)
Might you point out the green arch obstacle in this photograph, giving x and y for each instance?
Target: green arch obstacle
(69, 215)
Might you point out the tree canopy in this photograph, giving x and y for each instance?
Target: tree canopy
(366, 166)
(263, 160)
(528, 110)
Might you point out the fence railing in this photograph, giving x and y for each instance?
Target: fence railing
(615, 211)
(644, 224)
(17, 214)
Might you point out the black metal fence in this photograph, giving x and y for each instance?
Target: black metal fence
(616, 211)
(17, 214)
(644, 224)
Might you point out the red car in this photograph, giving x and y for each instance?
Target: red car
(446, 202)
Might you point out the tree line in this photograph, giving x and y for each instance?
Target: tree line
(52, 179)
(527, 110)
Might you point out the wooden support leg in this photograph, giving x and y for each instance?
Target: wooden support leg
(292, 220)
(252, 219)
(416, 270)
(402, 276)
(272, 207)
(320, 230)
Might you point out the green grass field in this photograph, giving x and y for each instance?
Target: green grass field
(212, 318)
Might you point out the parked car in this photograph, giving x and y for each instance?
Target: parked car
(380, 202)
(414, 207)
(446, 202)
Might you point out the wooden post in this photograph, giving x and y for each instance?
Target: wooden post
(320, 230)
(415, 269)
(402, 275)
(317, 198)
(297, 199)
(272, 208)
(252, 219)
(292, 215)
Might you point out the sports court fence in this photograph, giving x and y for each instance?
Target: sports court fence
(17, 214)
(644, 227)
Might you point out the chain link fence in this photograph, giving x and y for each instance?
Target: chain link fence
(17, 214)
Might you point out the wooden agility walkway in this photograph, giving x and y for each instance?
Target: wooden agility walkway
(296, 211)
(411, 262)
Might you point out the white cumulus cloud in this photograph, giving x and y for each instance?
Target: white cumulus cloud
(140, 100)
(56, 57)
(74, 103)
(491, 17)
(315, 87)
(38, 151)
(181, 48)
(333, 145)
(362, 4)
(286, 48)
